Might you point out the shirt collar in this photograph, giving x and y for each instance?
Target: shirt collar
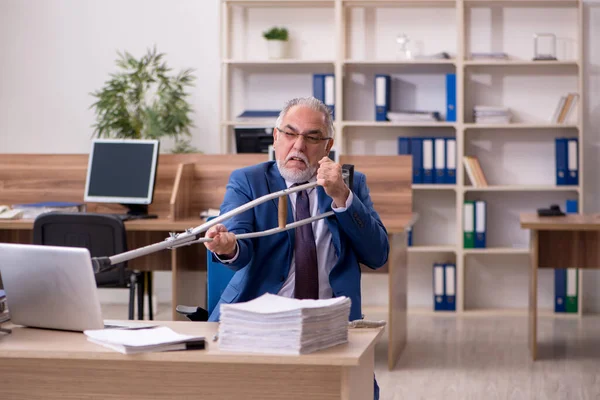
(308, 191)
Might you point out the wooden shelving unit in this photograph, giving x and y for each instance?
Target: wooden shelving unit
(352, 122)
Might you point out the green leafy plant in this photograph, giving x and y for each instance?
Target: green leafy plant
(276, 33)
(143, 101)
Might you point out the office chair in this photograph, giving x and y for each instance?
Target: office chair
(217, 279)
(102, 235)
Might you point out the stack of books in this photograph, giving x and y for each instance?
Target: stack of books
(279, 325)
(473, 168)
(491, 115)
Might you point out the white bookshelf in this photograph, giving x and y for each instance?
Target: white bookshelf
(355, 39)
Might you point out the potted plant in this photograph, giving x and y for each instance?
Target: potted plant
(143, 101)
(277, 40)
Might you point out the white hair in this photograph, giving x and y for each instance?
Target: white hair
(313, 104)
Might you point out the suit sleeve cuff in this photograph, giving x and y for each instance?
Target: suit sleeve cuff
(229, 260)
(348, 203)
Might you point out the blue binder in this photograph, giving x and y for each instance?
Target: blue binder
(450, 286)
(451, 97)
(382, 96)
(561, 161)
(451, 161)
(324, 90)
(571, 206)
(560, 275)
(403, 146)
(409, 236)
(560, 290)
(416, 146)
(439, 297)
(572, 161)
(480, 224)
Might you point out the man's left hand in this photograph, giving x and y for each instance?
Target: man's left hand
(329, 175)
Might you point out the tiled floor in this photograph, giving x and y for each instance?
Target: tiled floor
(451, 357)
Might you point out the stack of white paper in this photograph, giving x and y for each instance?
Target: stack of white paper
(140, 340)
(491, 115)
(280, 325)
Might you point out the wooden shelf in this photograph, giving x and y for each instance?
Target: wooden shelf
(518, 125)
(284, 61)
(281, 3)
(522, 188)
(497, 251)
(399, 3)
(258, 122)
(417, 62)
(516, 312)
(519, 63)
(432, 249)
(389, 124)
(484, 313)
(425, 186)
(354, 63)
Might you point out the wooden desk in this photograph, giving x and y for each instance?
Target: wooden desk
(570, 241)
(185, 263)
(189, 183)
(46, 364)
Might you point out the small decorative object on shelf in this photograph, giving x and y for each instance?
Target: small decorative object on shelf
(277, 41)
(404, 52)
(550, 40)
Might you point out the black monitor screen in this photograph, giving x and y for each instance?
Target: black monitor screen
(122, 171)
(253, 140)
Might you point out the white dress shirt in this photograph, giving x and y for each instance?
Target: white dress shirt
(326, 257)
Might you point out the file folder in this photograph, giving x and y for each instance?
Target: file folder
(572, 162)
(403, 146)
(451, 161)
(560, 290)
(324, 90)
(469, 224)
(416, 150)
(450, 287)
(428, 160)
(440, 161)
(561, 161)
(382, 96)
(571, 206)
(439, 300)
(451, 97)
(560, 275)
(480, 224)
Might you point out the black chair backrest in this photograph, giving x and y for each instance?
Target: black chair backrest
(103, 235)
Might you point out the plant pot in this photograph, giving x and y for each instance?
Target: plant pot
(277, 48)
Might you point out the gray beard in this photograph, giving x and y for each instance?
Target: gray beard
(296, 176)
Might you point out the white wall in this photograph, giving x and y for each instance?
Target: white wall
(53, 53)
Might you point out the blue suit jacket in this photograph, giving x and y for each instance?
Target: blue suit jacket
(263, 263)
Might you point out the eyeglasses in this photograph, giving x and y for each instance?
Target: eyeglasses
(311, 139)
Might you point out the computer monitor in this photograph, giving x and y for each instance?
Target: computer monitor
(250, 139)
(123, 171)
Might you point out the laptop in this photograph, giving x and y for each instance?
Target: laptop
(53, 287)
